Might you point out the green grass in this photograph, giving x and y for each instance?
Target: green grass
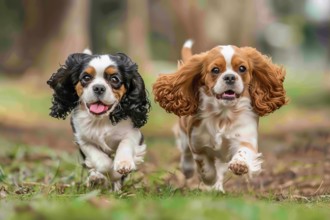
(23, 103)
(175, 207)
(40, 183)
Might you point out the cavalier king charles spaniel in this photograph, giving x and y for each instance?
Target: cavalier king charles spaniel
(109, 103)
(219, 96)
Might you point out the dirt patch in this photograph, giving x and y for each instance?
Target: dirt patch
(295, 164)
(59, 137)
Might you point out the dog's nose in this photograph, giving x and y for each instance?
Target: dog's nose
(99, 89)
(229, 79)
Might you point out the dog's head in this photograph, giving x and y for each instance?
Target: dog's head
(227, 73)
(104, 85)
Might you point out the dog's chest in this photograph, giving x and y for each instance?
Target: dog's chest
(98, 131)
(224, 126)
(215, 132)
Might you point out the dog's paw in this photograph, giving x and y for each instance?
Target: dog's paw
(96, 179)
(117, 185)
(218, 186)
(124, 167)
(238, 167)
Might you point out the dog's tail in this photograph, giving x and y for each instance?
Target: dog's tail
(87, 51)
(186, 50)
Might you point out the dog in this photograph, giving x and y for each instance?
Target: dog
(219, 96)
(109, 103)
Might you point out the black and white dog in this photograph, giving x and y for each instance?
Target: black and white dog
(109, 104)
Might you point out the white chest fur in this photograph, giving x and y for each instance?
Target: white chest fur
(99, 131)
(225, 125)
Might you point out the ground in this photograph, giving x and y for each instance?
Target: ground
(41, 176)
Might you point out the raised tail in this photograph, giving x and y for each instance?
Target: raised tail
(87, 51)
(186, 50)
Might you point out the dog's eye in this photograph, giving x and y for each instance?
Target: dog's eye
(114, 80)
(242, 69)
(215, 70)
(87, 78)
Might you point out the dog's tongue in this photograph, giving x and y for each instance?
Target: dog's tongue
(229, 95)
(98, 108)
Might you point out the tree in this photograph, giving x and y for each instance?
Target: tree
(137, 24)
(51, 31)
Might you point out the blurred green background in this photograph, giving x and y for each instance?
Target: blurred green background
(38, 159)
(37, 36)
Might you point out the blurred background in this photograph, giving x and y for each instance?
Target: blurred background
(36, 36)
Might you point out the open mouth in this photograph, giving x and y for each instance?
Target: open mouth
(228, 95)
(98, 108)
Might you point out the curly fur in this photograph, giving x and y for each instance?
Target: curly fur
(266, 86)
(63, 82)
(135, 103)
(178, 92)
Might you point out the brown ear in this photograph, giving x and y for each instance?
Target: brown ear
(266, 86)
(178, 92)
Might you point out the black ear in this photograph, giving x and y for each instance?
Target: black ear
(63, 83)
(135, 103)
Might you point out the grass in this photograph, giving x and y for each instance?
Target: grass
(40, 183)
(176, 207)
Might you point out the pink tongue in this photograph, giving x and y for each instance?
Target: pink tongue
(98, 108)
(228, 95)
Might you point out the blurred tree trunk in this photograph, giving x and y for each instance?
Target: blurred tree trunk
(231, 22)
(191, 17)
(211, 23)
(51, 30)
(138, 33)
(327, 67)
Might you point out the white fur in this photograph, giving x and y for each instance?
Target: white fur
(186, 160)
(222, 144)
(221, 86)
(87, 51)
(228, 53)
(111, 150)
(250, 158)
(188, 44)
(100, 64)
(108, 148)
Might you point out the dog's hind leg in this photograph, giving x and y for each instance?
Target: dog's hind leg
(187, 164)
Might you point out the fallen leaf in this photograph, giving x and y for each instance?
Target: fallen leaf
(3, 192)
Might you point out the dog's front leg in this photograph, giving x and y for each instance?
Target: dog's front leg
(124, 159)
(246, 159)
(98, 163)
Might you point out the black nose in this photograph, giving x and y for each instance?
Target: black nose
(99, 89)
(229, 79)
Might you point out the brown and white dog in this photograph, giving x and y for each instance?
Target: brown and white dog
(220, 95)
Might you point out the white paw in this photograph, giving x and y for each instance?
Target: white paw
(124, 167)
(117, 186)
(96, 179)
(218, 186)
(245, 161)
(238, 167)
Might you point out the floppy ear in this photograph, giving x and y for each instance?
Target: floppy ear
(135, 103)
(178, 92)
(266, 86)
(63, 83)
